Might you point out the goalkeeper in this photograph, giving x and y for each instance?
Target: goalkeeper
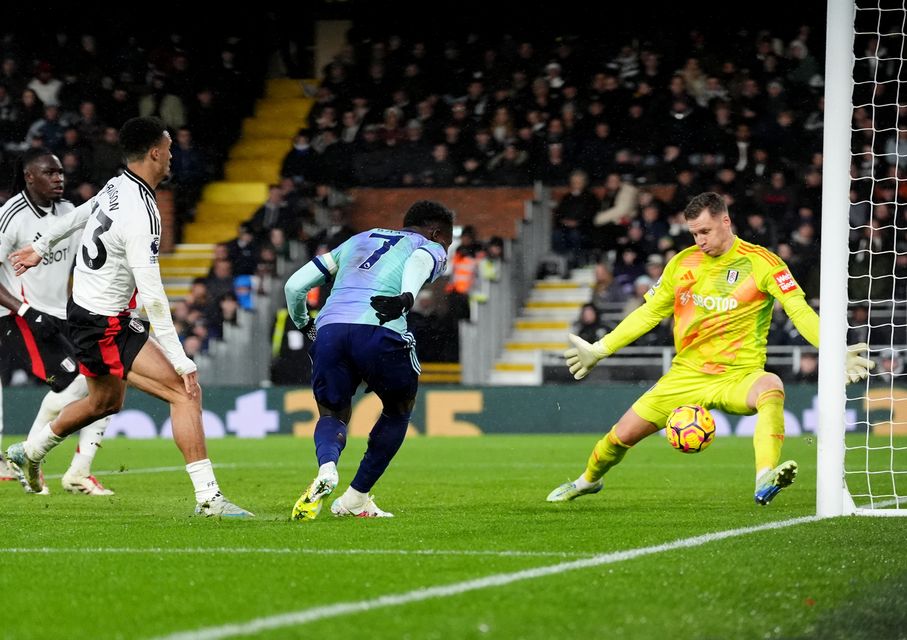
(721, 292)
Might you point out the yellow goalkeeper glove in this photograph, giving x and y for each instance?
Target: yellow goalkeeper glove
(856, 367)
(583, 356)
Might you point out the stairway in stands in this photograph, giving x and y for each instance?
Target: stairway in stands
(254, 163)
(540, 332)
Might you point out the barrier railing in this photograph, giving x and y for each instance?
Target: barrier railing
(491, 321)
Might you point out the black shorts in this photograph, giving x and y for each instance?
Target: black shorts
(43, 348)
(105, 345)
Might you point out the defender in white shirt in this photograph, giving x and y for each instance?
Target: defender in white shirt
(118, 258)
(33, 325)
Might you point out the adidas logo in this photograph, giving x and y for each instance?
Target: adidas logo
(688, 276)
(39, 318)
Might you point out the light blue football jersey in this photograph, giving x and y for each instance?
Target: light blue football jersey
(371, 264)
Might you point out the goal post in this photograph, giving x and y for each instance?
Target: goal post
(830, 488)
(862, 454)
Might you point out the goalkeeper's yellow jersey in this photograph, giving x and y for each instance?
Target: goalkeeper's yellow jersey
(722, 307)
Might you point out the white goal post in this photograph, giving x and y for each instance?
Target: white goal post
(862, 453)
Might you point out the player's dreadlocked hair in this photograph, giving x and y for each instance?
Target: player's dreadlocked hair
(24, 160)
(424, 212)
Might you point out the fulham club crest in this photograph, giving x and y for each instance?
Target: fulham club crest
(732, 276)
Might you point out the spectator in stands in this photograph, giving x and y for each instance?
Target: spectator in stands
(49, 128)
(809, 368)
(337, 232)
(415, 153)
(107, 156)
(573, 219)
(275, 213)
(11, 77)
(300, 161)
(220, 279)
(211, 129)
(277, 239)
(759, 230)
(637, 295)
(193, 346)
(188, 174)
(45, 85)
(605, 292)
(88, 122)
(242, 255)
(72, 142)
(628, 268)
(439, 171)
(554, 169)
(891, 368)
(619, 206)
(589, 325)
(464, 271)
(120, 107)
(162, 102)
(508, 168)
(655, 266)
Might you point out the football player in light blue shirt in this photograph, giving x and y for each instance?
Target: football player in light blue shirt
(362, 336)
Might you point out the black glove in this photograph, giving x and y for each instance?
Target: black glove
(392, 307)
(309, 330)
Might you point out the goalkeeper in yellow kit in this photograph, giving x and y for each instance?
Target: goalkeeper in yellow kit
(721, 292)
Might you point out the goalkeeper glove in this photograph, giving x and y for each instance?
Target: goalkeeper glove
(583, 356)
(856, 367)
(392, 307)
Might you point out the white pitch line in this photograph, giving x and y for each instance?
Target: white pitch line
(127, 471)
(445, 591)
(289, 551)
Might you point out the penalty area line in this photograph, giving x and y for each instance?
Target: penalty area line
(339, 609)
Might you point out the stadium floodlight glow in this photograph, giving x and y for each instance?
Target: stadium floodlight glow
(862, 464)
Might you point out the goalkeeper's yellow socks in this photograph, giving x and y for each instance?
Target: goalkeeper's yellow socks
(607, 452)
(769, 435)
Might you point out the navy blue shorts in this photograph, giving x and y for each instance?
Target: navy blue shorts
(344, 355)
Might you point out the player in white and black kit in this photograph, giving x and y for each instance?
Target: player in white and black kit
(33, 313)
(118, 259)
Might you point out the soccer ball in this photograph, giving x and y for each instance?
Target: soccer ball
(690, 428)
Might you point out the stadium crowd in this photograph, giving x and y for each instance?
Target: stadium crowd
(624, 134)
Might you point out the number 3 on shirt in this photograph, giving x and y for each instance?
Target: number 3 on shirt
(100, 250)
(389, 241)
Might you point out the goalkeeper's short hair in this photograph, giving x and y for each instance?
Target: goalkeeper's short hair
(710, 200)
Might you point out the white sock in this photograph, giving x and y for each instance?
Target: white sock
(90, 438)
(202, 475)
(353, 499)
(1, 416)
(328, 468)
(582, 483)
(54, 401)
(40, 442)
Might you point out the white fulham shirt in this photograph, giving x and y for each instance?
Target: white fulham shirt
(22, 222)
(118, 258)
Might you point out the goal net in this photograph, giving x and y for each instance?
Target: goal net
(866, 109)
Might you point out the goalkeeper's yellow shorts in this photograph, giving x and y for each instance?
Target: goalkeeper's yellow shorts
(725, 391)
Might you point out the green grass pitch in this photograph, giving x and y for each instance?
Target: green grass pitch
(137, 565)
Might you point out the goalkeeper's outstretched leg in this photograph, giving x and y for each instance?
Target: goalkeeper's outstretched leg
(606, 453)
